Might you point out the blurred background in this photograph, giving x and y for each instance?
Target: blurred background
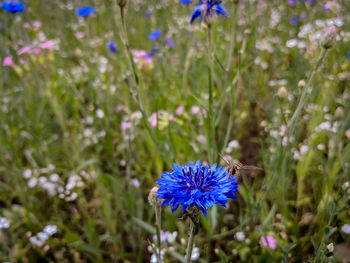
(80, 147)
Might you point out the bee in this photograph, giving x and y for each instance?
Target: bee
(235, 167)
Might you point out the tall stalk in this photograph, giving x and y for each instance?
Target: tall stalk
(303, 98)
(135, 79)
(211, 120)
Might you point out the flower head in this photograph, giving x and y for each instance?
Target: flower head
(112, 46)
(196, 185)
(85, 11)
(206, 9)
(154, 35)
(13, 6)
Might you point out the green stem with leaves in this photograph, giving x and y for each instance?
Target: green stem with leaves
(303, 98)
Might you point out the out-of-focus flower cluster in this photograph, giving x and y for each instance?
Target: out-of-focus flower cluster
(41, 237)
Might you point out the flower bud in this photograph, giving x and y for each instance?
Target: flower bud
(301, 83)
(152, 197)
(330, 247)
(122, 3)
(330, 37)
(282, 93)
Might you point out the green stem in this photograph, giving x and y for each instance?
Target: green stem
(136, 80)
(303, 98)
(212, 129)
(190, 243)
(158, 211)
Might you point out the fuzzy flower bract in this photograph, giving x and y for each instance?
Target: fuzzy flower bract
(196, 185)
(206, 8)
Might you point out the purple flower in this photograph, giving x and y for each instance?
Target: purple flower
(206, 9)
(154, 35)
(112, 47)
(149, 13)
(169, 43)
(327, 6)
(294, 21)
(85, 11)
(292, 2)
(13, 6)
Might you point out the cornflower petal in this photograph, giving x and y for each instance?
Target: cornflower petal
(197, 13)
(220, 10)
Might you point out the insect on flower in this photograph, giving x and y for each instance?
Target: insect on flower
(235, 167)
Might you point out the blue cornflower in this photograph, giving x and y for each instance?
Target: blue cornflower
(205, 9)
(154, 35)
(185, 2)
(13, 6)
(112, 47)
(196, 185)
(349, 54)
(85, 11)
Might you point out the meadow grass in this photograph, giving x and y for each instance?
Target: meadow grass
(85, 132)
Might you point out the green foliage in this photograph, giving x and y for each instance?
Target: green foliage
(73, 110)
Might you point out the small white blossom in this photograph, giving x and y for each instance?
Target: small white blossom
(100, 114)
(4, 223)
(50, 229)
(346, 228)
(27, 173)
(304, 149)
(35, 241)
(32, 182)
(195, 254)
(233, 144)
(54, 177)
(240, 236)
(330, 247)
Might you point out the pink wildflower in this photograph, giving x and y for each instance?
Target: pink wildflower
(268, 241)
(126, 125)
(24, 50)
(8, 62)
(154, 120)
(180, 110)
(47, 45)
